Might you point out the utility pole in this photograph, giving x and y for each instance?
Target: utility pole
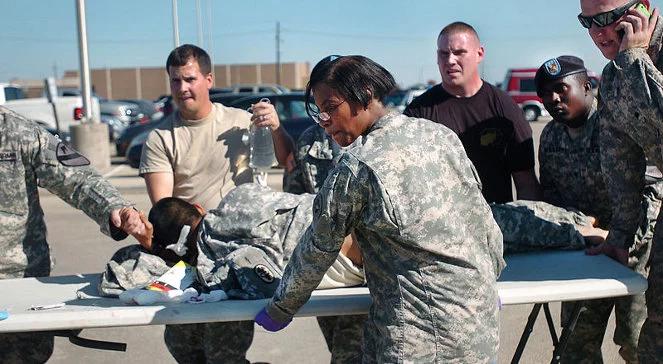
(200, 24)
(90, 137)
(209, 38)
(84, 63)
(176, 27)
(55, 70)
(278, 53)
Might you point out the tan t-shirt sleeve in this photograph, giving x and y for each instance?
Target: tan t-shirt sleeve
(154, 157)
(238, 151)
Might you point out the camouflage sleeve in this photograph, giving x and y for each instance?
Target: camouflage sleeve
(60, 171)
(623, 164)
(639, 78)
(535, 225)
(336, 210)
(550, 192)
(293, 181)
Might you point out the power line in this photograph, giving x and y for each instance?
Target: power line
(357, 35)
(123, 41)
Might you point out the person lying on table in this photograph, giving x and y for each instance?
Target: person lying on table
(274, 230)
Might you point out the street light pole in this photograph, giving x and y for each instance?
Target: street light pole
(176, 28)
(278, 53)
(90, 137)
(84, 63)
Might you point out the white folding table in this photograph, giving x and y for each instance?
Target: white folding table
(533, 278)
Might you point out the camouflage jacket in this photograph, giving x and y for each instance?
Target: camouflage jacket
(30, 157)
(570, 169)
(315, 157)
(274, 229)
(631, 94)
(430, 244)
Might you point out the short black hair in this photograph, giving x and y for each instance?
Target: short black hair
(458, 27)
(357, 79)
(180, 56)
(168, 216)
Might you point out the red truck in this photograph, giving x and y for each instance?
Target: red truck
(519, 84)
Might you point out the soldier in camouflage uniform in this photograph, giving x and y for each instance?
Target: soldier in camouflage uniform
(31, 157)
(526, 226)
(432, 277)
(631, 114)
(316, 154)
(570, 170)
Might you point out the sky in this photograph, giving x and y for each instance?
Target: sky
(40, 36)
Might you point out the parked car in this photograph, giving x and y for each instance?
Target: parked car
(255, 88)
(290, 107)
(69, 109)
(115, 126)
(400, 99)
(227, 98)
(135, 148)
(146, 107)
(130, 132)
(519, 84)
(221, 90)
(127, 112)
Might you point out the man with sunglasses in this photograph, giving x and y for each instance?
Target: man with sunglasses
(631, 134)
(492, 128)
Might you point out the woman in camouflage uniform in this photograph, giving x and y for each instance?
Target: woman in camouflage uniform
(432, 250)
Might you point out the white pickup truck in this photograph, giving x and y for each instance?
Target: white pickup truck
(69, 108)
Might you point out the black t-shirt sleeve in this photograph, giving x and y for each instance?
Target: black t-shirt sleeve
(520, 150)
(412, 111)
(520, 155)
(512, 112)
(416, 110)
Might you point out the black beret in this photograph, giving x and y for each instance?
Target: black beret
(556, 68)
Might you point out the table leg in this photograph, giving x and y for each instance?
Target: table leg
(526, 333)
(551, 325)
(566, 331)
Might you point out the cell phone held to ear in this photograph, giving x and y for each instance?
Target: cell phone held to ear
(643, 8)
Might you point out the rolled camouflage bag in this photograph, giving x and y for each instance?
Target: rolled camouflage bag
(257, 275)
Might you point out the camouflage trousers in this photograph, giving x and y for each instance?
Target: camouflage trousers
(215, 342)
(344, 335)
(26, 347)
(650, 346)
(584, 344)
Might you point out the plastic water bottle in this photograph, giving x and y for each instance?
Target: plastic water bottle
(261, 147)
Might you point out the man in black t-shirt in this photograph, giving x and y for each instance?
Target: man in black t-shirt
(491, 126)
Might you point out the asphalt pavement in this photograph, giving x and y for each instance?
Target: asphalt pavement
(79, 247)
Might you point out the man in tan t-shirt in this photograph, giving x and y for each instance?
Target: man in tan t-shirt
(197, 154)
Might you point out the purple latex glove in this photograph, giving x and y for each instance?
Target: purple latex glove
(268, 323)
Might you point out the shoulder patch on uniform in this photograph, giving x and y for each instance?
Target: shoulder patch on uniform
(68, 156)
(7, 156)
(553, 67)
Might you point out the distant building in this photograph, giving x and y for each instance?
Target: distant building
(152, 82)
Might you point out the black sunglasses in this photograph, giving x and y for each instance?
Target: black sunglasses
(606, 18)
